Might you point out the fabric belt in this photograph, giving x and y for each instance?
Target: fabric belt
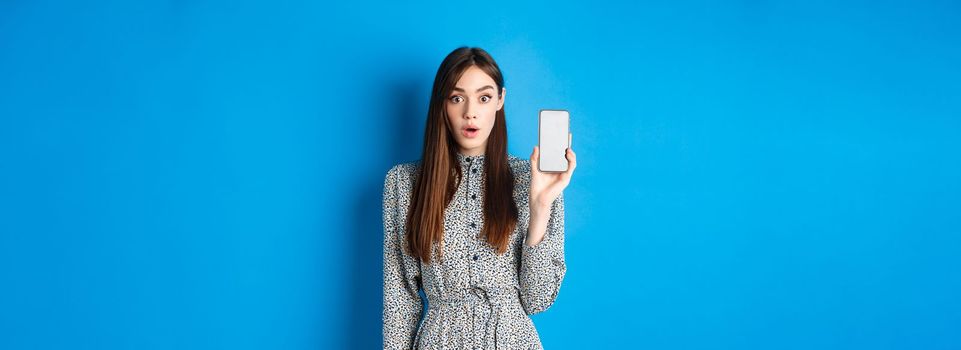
(493, 299)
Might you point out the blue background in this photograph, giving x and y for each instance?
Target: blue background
(752, 174)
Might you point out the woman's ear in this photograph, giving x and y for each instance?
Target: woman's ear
(500, 98)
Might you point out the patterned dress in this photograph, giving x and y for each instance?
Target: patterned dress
(476, 299)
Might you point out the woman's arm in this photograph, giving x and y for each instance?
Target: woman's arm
(542, 263)
(402, 303)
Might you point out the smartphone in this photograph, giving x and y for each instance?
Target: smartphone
(553, 140)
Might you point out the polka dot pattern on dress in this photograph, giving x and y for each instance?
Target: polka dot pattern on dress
(476, 299)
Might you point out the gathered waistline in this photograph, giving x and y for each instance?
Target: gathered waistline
(493, 301)
(499, 297)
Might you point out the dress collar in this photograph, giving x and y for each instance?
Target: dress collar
(464, 160)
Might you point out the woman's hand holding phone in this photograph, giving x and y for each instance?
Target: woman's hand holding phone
(545, 188)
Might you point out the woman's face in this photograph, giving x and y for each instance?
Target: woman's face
(471, 108)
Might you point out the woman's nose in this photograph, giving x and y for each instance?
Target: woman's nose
(469, 112)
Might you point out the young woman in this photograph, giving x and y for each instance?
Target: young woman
(481, 232)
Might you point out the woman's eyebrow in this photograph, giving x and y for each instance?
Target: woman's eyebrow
(478, 90)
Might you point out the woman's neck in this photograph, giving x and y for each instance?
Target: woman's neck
(471, 153)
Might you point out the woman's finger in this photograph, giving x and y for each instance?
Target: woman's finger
(572, 164)
(534, 156)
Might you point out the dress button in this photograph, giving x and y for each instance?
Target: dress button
(473, 225)
(473, 196)
(476, 257)
(473, 170)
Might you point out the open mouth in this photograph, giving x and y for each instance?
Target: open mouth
(470, 131)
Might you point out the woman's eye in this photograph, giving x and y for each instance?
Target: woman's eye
(456, 99)
(485, 98)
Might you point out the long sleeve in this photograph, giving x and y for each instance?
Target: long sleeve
(542, 266)
(402, 303)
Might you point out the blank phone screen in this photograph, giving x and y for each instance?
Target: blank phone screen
(553, 140)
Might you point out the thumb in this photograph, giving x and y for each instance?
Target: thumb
(534, 156)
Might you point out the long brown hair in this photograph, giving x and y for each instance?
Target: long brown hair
(440, 173)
